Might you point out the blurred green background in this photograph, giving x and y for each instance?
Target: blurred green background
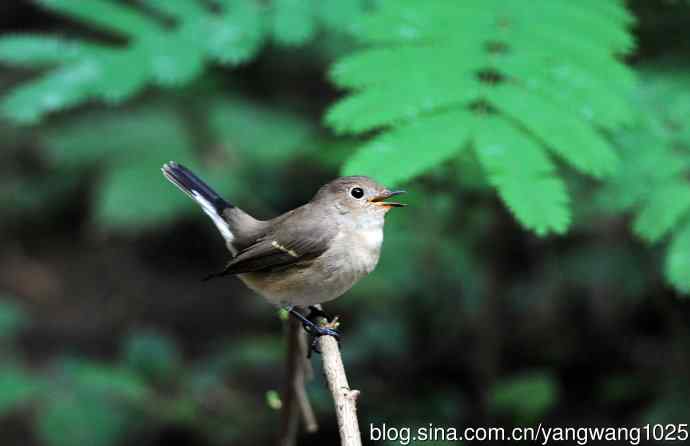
(539, 274)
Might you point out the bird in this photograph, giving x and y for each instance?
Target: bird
(307, 256)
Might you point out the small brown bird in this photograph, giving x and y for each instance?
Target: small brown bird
(307, 256)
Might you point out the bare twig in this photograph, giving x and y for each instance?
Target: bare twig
(345, 399)
(295, 401)
(307, 374)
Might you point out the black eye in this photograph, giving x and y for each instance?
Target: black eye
(357, 192)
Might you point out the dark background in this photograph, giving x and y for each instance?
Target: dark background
(469, 319)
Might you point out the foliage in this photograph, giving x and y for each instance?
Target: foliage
(512, 94)
(100, 403)
(130, 145)
(440, 76)
(529, 395)
(153, 356)
(489, 321)
(12, 319)
(231, 33)
(16, 388)
(653, 180)
(71, 420)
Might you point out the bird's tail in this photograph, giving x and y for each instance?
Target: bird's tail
(211, 203)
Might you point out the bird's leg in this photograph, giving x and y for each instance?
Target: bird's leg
(313, 329)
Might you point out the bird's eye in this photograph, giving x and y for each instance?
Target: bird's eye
(357, 192)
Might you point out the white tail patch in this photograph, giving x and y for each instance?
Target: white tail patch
(220, 223)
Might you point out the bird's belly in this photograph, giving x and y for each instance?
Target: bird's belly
(329, 276)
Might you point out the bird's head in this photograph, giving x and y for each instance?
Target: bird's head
(358, 196)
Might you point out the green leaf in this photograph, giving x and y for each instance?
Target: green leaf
(179, 9)
(266, 134)
(37, 50)
(340, 15)
(236, 35)
(664, 208)
(166, 57)
(129, 145)
(404, 85)
(571, 86)
(678, 261)
(59, 89)
(120, 75)
(523, 175)
(104, 14)
(293, 21)
(568, 136)
(166, 54)
(247, 353)
(17, 388)
(173, 58)
(152, 355)
(528, 396)
(655, 155)
(133, 194)
(85, 420)
(553, 72)
(401, 154)
(273, 400)
(136, 195)
(125, 135)
(102, 380)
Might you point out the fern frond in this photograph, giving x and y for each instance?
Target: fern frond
(236, 35)
(59, 89)
(172, 58)
(265, 134)
(166, 57)
(232, 33)
(574, 140)
(117, 136)
(105, 15)
(653, 179)
(178, 9)
(663, 209)
(129, 144)
(39, 51)
(340, 15)
(406, 84)
(130, 195)
(523, 175)
(614, 11)
(548, 75)
(405, 152)
(582, 90)
(293, 21)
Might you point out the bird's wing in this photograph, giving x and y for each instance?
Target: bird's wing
(289, 244)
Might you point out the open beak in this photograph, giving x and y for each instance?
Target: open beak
(380, 200)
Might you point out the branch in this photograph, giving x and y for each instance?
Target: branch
(295, 401)
(345, 399)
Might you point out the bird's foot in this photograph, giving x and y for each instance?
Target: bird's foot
(315, 312)
(316, 330)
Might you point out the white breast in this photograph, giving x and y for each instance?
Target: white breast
(372, 238)
(366, 248)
